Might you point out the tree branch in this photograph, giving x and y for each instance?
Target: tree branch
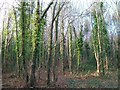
(58, 12)
(46, 9)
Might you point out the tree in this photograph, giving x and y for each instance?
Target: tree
(79, 49)
(51, 38)
(3, 47)
(23, 27)
(63, 46)
(17, 42)
(56, 51)
(100, 40)
(70, 48)
(37, 40)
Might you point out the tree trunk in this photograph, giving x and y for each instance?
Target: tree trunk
(37, 46)
(17, 44)
(3, 48)
(50, 49)
(70, 49)
(51, 37)
(24, 42)
(62, 47)
(56, 51)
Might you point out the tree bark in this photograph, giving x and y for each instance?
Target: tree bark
(23, 26)
(17, 44)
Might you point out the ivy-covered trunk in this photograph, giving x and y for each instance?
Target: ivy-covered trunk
(37, 46)
(100, 41)
(96, 42)
(23, 27)
(79, 45)
(70, 48)
(17, 43)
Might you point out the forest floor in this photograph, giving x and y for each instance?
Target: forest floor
(84, 80)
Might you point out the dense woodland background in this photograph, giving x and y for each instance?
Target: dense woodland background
(54, 45)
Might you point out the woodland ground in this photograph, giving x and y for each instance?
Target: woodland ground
(84, 80)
